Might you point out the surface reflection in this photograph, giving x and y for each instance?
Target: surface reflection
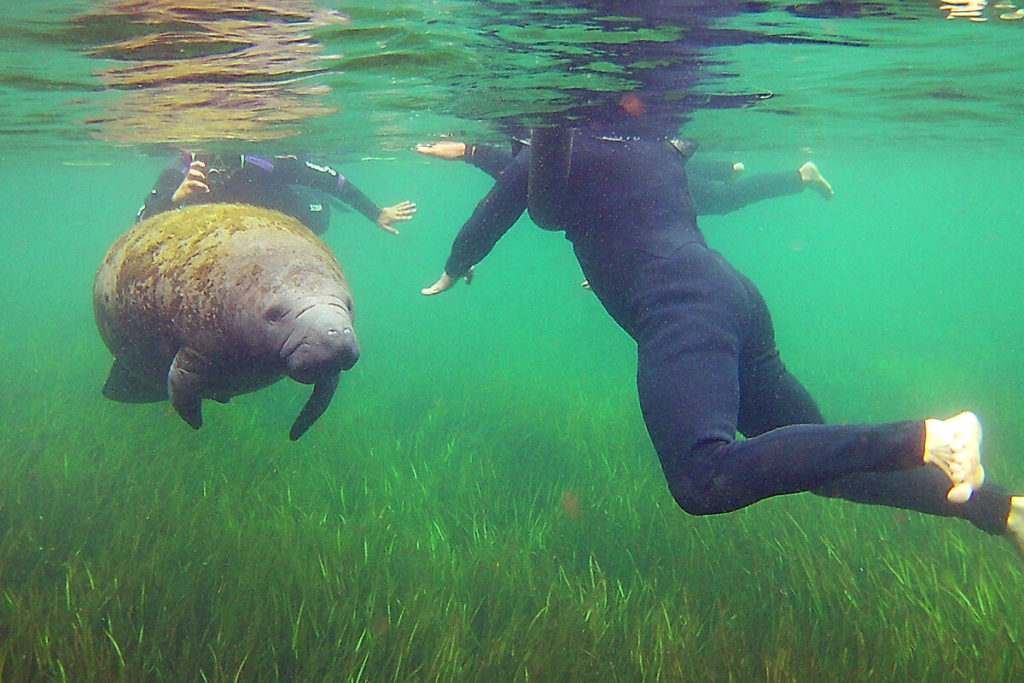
(190, 73)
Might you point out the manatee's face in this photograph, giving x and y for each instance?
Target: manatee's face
(320, 341)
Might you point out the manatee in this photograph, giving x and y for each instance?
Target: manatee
(217, 300)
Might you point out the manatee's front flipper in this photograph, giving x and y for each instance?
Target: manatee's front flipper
(323, 392)
(184, 384)
(127, 386)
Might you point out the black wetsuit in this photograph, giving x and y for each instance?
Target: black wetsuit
(708, 366)
(712, 187)
(714, 191)
(290, 185)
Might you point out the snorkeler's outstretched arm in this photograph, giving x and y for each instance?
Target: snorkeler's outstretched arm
(446, 282)
(326, 179)
(384, 218)
(491, 219)
(491, 159)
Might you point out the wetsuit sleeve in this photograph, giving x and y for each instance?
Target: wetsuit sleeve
(293, 171)
(350, 194)
(490, 159)
(491, 219)
(159, 198)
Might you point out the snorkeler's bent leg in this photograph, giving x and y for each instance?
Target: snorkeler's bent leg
(771, 397)
(722, 198)
(695, 314)
(923, 489)
(711, 169)
(777, 397)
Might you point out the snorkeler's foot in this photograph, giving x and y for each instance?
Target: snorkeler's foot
(812, 179)
(1015, 524)
(954, 446)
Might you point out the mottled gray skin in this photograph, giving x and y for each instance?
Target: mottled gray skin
(217, 300)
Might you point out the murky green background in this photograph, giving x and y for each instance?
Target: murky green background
(901, 298)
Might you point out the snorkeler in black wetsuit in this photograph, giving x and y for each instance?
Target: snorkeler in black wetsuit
(285, 183)
(713, 183)
(708, 366)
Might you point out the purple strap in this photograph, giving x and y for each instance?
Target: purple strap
(261, 163)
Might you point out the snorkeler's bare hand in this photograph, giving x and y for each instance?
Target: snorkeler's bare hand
(194, 182)
(389, 215)
(446, 282)
(447, 149)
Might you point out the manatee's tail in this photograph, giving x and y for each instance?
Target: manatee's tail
(323, 392)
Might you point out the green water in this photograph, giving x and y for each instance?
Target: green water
(481, 501)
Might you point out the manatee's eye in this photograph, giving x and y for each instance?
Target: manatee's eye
(275, 313)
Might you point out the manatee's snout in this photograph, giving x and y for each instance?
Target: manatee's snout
(322, 344)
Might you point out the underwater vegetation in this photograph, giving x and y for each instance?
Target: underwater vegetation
(508, 539)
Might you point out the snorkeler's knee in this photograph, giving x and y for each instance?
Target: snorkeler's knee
(697, 483)
(706, 499)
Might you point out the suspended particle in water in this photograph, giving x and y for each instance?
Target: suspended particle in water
(570, 503)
